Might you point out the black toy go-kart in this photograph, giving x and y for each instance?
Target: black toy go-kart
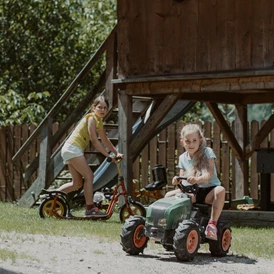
(178, 225)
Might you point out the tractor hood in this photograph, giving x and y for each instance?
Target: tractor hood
(168, 212)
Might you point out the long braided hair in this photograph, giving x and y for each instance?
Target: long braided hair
(200, 160)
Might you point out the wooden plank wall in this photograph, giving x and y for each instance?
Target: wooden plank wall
(163, 149)
(158, 37)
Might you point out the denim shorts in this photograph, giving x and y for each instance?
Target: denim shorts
(70, 151)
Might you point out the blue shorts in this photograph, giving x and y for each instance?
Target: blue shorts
(70, 151)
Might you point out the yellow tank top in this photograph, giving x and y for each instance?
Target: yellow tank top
(80, 136)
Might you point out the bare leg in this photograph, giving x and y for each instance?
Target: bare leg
(216, 197)
(172, 192)
(76, 183)
(79, 168)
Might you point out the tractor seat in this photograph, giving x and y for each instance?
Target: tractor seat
(204, 208)
(158, 185)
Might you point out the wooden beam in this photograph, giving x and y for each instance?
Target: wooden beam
(251, 218)
(111, 71)
(260, 98)
(30, 169)
(155, 104)
(198, 87)
(213, 107)
(260, 136)
(27, 199)
(157, 116)
(260, 73)
(213, 97)
(230, 98)
(241, 166)
(124, 137)
(55, 166)
(228, 83)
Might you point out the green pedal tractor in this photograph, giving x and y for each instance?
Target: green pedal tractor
(178, 225)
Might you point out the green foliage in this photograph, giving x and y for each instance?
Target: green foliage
(16, 109)
(196, 113)
(44, 45)
(200, 112)
(259, 112)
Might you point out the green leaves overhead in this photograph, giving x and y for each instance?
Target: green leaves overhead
(44, 45)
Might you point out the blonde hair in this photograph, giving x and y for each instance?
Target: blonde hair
(200, 160)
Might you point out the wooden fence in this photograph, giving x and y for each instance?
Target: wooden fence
(163, 149)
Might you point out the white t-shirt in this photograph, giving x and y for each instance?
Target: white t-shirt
(186, 163)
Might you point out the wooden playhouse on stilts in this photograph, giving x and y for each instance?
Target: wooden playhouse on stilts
(165, 51)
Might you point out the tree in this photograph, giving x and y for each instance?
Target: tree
(44, 45)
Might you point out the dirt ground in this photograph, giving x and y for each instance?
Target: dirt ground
(69, 255)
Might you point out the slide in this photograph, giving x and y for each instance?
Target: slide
(106, 174)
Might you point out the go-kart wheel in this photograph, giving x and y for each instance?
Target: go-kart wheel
(46, 207)
(136, 208)
(186, 240)
(221, 247)
(133, 238)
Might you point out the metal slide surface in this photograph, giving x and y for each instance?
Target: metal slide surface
(106, 174)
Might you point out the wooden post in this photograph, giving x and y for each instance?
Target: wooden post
(30, 196)
(3, 163)
(265, 192)
(254, 177)
(170, 167)
(111, 70)
(10, 165)
(124, 136)
(241, 166)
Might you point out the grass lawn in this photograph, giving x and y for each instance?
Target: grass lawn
(258, 242)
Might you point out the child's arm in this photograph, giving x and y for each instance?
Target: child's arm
(175, 180)
(93, 137)
(204, 178)
(107, 142)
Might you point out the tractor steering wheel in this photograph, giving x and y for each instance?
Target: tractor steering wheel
(187, 188)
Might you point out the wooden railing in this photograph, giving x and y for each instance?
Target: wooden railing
(163, 149)
(46, 162)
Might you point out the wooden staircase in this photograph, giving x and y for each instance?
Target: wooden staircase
(48, 163)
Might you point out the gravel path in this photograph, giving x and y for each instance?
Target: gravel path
(72, 255)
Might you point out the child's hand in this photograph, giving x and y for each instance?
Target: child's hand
(175, 180)
(120, 156)
(192, 180)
